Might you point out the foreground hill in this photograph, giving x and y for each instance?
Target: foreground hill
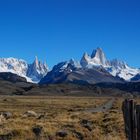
(12, 84)
(7, 76)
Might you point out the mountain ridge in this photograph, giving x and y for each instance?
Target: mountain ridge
(89, 68)
(37, 70)
(31, 72)
(68, 72)
(115, 67)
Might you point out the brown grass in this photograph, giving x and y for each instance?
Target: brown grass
(62, 113)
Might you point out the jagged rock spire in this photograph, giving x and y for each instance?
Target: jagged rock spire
(85, 59)
(37, 70)
(36, 62)
(95, 51)
(99, 57)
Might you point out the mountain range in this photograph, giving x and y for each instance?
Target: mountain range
(32, 72)
(114, 67)
(91, 69)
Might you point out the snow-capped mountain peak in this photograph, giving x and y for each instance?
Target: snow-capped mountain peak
(13, 65)
(96, 59)
(118, 64)
(122, 70)
(97, 52)
(23, 69)
(37, 70)
(114, 67)
(68, 65)
(74, 63)
(85, 60)
(36, 62)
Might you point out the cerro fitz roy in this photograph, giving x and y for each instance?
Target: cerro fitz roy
(89, 66)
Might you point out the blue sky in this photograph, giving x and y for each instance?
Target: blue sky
(57, 30)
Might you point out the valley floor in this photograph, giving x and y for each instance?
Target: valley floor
(61, 118)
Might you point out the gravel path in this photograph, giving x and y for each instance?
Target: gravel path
(103, 108)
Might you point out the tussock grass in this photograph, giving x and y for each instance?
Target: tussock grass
(62, 114)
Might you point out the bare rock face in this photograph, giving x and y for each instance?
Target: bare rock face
(99, 57)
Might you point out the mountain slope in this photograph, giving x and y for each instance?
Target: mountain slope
(136, 78)
(70, 72)
(12, 84)
(7, 76)
(60, 71)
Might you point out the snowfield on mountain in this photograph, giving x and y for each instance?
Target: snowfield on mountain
(91, 69)
(87, 66)
(32, 72)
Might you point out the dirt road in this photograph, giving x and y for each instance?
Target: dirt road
(103, 108)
